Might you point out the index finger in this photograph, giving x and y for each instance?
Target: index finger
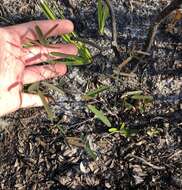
(26, 31)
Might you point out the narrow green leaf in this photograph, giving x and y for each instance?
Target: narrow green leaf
(46, 9)
(83, 51)
(99, 115)
(89, 151)
(142, 97)
(104, 17)
(128, 106)
(59, 54)
(91, 94)
(33, 87)
(5, 19)
(99, 12)
(131, 93)
(113, 130)
(103, 14)
(122, 126)
(46, 106)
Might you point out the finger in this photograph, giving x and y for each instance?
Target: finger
(39, 54)
(30, 100)
(37, 73)
(26, 31)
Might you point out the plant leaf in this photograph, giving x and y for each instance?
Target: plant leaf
(47, 11)
(113, 130)
(46, 106)
(83, 51)
(33, 87)
(99, 12)
(40, 35)
(91, 94)
(142, 97)
(99, 115)
(131, 93)
(89, 151)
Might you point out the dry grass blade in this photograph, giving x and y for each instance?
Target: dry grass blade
(46, 106)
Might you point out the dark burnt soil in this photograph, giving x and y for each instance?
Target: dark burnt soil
(36, 155)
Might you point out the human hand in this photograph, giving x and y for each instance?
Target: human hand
(17, 64)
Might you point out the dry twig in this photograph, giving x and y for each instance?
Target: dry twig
(146, 162)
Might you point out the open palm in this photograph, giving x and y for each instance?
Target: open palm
(17, 64)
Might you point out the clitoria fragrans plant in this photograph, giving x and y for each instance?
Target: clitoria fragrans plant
(84, 56)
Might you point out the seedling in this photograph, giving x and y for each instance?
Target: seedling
(103, 14)
(123, 130)
(99, 115)
(133, 98)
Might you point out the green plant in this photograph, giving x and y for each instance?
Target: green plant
(84, 55)
(41, 38)
(103, 14)
(123, 130)
(35, 88)
(136, 100)
(93, 93)
(99, 115)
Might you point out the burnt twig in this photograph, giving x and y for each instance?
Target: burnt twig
(146, 162)
(174, 5)
(114, 28)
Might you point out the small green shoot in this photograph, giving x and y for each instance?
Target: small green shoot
(93, 93)
(68, 59)
(99, 115)
(103, 14)
(123, 130)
